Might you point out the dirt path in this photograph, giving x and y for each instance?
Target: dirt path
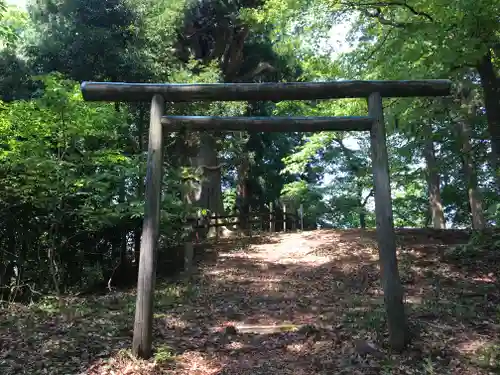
(269, 292)
(311, 304)
(300, 303)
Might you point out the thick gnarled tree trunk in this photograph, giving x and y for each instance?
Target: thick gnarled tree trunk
(210, 35)
(209, 194)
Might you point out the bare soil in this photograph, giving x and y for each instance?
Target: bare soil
(295, 303)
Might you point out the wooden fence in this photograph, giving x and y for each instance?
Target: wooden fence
(271, 221)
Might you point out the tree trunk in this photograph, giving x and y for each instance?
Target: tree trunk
(362, 203)
(436, 207)
(209, 195)
(469, 169)
(491, 89)
(243, 196)
(123, 231)
(362, 218)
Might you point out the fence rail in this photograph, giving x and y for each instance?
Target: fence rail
(268, 220)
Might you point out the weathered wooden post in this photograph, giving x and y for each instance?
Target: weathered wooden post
(216, 219)
(249, 222)
(189, 251)
(271, 217)
(391, 282)
(301, 217)
(142, 341)
(284, 217)
(189, 237)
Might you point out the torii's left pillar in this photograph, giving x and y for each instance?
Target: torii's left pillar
(143, 326)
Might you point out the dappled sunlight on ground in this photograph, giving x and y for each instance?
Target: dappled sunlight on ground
(198, 363)
(329, 280)
(294, 303)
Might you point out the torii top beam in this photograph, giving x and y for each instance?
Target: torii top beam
(138, 92)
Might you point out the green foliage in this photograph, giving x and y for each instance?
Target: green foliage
(15, 80)
(13, 21)
(397, 41)
(488, 356)
(161, 20)
(482, 245)
(164, 354)
(53, 165)
(15, 70)
(300, 192)
(54, 140)
(88, 40)
(229, 199)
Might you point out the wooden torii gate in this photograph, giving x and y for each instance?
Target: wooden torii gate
(158, 94)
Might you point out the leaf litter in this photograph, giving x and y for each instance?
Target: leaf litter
(296, 303)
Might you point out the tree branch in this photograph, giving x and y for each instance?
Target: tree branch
(370, 194)
(234, 55)
(403, 4)
(407, 6)
(263, 66)
(377, 48)
(384, 21)
(349, 154)
(374, 10)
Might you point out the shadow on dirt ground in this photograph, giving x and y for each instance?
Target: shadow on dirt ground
(331, 286)
(300, 303)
